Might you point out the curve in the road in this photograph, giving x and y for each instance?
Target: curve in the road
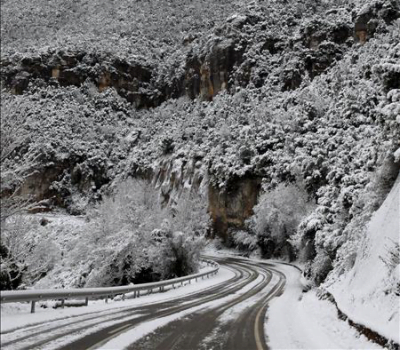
(253, 285)
(245, 332)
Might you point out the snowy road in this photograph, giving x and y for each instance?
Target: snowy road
(227, 315)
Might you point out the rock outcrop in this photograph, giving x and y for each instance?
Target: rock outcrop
(204, 76)
(230, 206)
(55, 184)
(210, 72)
(133, 80)
(368, 19)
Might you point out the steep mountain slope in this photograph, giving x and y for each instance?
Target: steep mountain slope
(369, 293)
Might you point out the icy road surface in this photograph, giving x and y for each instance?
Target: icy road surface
(227, 311)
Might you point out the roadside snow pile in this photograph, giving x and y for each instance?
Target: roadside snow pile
(369, 293)
(302, 321)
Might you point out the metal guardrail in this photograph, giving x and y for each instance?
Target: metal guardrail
(108, 292)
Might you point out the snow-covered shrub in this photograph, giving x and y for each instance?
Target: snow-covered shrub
(392, 258)
(167, 145)
(318, 269)
(303, 238)
(190, 214)
(276, 217)
(26, 253)
(245, 240)
(10, 271)
(181, 253)
(381, 184)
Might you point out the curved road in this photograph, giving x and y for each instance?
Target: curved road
(229, 315)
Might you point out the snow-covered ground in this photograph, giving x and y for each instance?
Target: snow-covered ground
(18, 314)
(302, 321)
(363, 293)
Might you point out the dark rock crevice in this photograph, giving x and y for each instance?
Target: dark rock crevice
(369, 18)
(232, 205)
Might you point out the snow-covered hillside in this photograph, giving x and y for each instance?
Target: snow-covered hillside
(369, 293)
(272, 125)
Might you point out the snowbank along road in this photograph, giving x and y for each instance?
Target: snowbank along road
(227, 315)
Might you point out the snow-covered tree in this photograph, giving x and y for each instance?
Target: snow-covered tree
(135, 239)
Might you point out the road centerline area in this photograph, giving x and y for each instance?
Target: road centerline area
(187, 322)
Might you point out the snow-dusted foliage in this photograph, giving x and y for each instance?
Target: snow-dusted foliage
(68, 138)
(244, 240)
(134, 239)
(301, 92)
(27, 254)
(276, 217)
(127, 238)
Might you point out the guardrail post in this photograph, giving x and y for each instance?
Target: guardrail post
(138, 293)
(86, 301)
(134, 294)
(107, 299)
(33, 307)
(62, 303)
(123, 297)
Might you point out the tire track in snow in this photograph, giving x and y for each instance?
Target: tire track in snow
(191, 332)
(45, 332)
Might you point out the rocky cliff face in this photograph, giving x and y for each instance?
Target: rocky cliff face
(232, 205)
(210, 72)
(370, 18)
(229, 206)
(212, 64)
(204, 75)
(132, 80)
